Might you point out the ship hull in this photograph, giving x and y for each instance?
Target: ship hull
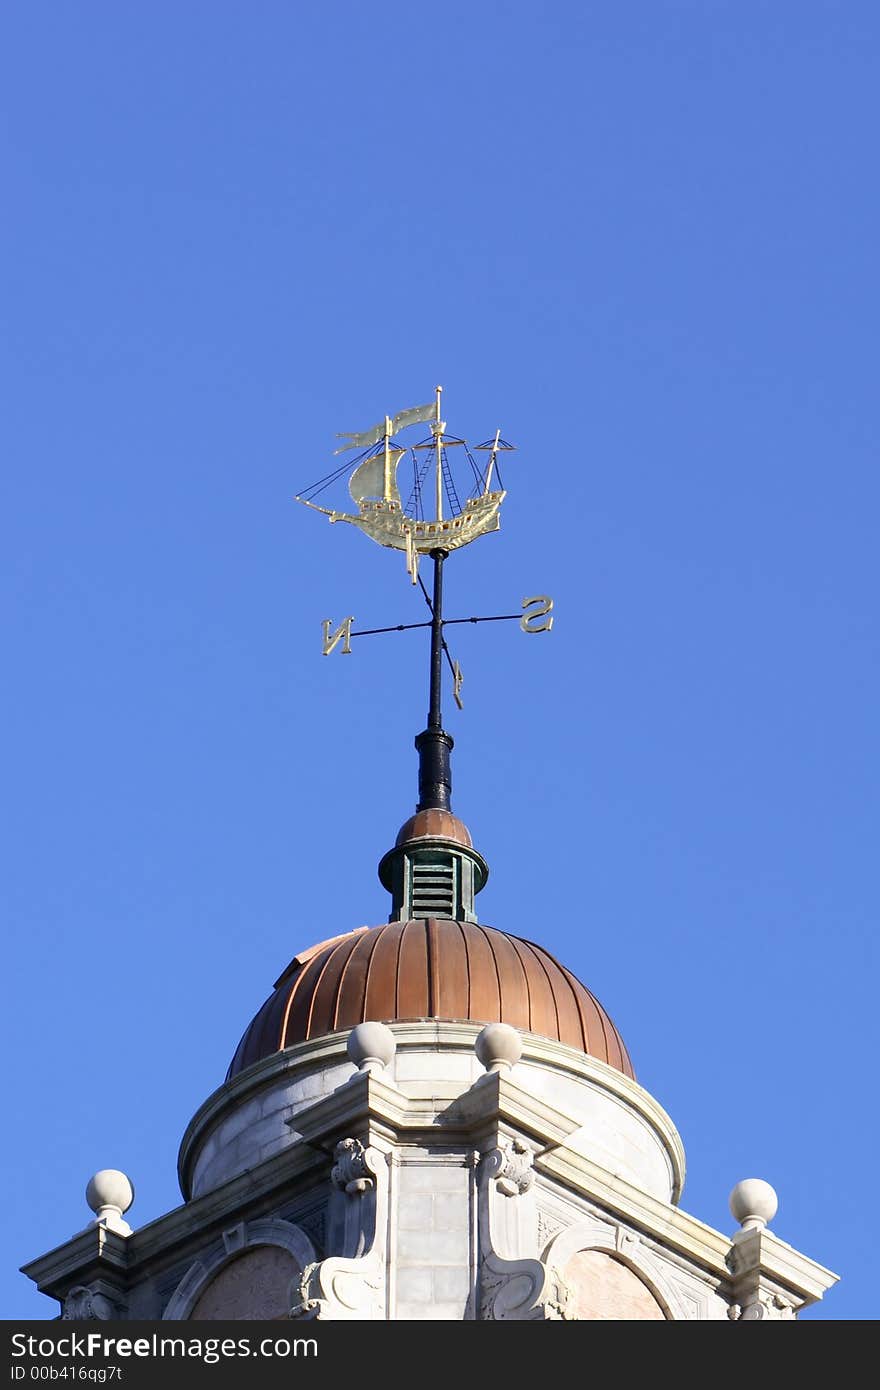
(386, 524)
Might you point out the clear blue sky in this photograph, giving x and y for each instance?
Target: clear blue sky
(642, 238)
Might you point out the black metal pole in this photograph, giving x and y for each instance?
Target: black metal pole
(435, 720)
(433, 744)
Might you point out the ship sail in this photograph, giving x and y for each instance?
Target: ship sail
(368, 480)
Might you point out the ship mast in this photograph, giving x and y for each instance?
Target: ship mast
(387, 488)
(438, 444)
(492, 458)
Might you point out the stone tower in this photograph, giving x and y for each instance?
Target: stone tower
(430, 1118)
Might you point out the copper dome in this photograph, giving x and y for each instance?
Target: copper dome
(434, 823)
(429, 968)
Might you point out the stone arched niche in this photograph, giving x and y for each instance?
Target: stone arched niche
(605, 1290)
(255, 1285)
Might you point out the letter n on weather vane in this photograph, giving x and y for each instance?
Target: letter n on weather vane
(342, 634)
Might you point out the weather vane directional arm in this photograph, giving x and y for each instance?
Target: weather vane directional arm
(381, 515)
(536, 615)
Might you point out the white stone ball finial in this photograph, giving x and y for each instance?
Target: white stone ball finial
(371, 1046)
(753, 1203)
(109, 1193)
(498, 1047)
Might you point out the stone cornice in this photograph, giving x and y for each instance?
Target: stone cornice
(372, 1110)
(761, 1253)
(660, 1220)
(156, 1245)
(377, 1112)
(496, 1100)
(92, 1253)
(733, 1262)
(456, 1037)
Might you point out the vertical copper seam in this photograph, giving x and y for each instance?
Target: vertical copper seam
(372, 939)
(397, 971)
(515, 944)
(337, 997)
(246, 1038)
(340, 984)
(265, 1017)
(295, 986)
(603, 1019)
(630, 1069)
(433, 963)
(485, 934)
(231, 1069)
(625, 1064)
(584, 1005)
(579, 993)
(512, 941)
(413, 929)
(537, 953)
(467, 962)
(348, 941)
(317, 969)
(612, 1041)
(569, 980)
(376, 934)
(387, 946)
(567, 1012)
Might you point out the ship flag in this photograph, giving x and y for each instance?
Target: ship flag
(415, 416)
(372, 436)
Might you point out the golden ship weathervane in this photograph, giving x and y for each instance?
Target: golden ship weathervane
(375, 490)
(381, 515)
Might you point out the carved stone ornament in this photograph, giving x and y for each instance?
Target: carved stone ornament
(82, 1303)
(558, 1301)
(763, 1304)
(339, 1290)
(352, 1169)
(625, 1242)
(548, 1227)
(523, 1291)
(235, 1239)
(510, 1164)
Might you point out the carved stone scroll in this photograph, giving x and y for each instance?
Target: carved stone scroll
(510, 1164)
